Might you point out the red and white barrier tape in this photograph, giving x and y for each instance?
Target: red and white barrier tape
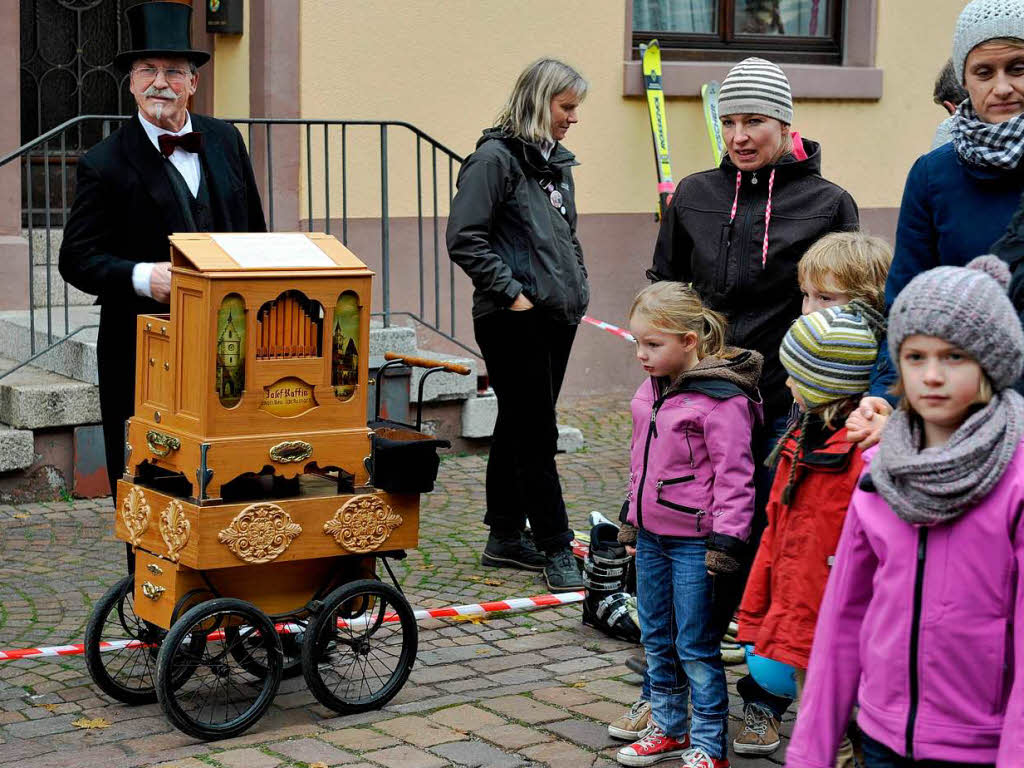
(620, 332)
(470, 609)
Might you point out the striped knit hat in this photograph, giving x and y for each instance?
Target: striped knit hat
(829, 354)
(756, 87)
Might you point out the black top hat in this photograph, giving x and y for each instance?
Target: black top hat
(160, 29)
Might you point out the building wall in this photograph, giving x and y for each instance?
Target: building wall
(231, 72)
(446, 67)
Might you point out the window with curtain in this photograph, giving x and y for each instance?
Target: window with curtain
(786, 30)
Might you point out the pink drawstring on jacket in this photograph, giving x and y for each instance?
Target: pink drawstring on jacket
(767, 211)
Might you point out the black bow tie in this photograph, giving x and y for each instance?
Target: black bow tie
(190, 142)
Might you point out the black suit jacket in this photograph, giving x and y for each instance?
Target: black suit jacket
(124, 209)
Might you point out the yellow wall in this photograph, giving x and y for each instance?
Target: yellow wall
(231, 72)
(447, 66)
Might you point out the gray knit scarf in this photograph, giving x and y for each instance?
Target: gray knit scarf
(937, 485)
(993, 145)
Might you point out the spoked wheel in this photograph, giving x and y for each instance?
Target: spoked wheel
(360, 648)
(128, 673)
(220, 697)
(291, 644)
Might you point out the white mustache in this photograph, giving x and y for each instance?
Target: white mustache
(163, 93)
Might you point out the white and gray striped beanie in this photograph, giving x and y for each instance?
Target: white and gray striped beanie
(756, 87)
(984, 20)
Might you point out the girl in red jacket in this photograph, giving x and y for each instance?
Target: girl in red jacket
(828, 355)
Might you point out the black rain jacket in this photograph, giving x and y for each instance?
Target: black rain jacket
(509, 237)
(698, 244)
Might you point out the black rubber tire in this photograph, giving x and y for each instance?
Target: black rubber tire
(291, 646)
(113, 618)
(333, 656)
(216, 662)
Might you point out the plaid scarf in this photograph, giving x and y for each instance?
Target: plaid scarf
(994, 145)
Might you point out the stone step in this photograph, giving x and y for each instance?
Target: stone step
(33, 398)
(74, 358)
(443, 385)
(38, 244)
(39, 279)
(395, 338)
(480, 413)
(17, 449)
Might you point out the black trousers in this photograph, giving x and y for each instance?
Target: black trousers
(526, 354)
(115, 358)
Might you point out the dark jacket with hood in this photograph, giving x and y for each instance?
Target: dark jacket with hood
(701, 243)
(508, 235)
(691, 466)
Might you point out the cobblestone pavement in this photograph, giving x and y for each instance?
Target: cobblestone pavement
(527, 689)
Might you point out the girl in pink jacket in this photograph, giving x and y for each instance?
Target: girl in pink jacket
(691, 495)
(922, 623)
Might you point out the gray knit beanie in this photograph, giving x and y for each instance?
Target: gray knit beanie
(968, 307)
(756, 87)
(985, 20)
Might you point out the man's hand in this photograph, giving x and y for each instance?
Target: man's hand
(521, 304)
(160, 282)
(864, 425)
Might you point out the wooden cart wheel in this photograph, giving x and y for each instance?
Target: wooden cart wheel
(360, 648)
(127, 674)
(291, 644)
(220, 698)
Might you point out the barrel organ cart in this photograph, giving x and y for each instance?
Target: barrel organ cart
(256, 502)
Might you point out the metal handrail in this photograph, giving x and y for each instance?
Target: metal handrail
(257, 129)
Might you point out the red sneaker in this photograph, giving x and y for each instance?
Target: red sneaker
(653, 746)
(698, 758)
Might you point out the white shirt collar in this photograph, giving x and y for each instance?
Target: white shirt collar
(153, 131)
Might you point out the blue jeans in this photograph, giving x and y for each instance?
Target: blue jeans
(674, 602)
(877, 755)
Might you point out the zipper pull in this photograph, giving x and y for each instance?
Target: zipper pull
(700, 514)
(658, 486)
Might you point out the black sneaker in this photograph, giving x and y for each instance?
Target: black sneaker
(515, 552)
(562, 573)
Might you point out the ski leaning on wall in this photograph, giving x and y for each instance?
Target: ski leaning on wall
(650, 56)
(709, 95)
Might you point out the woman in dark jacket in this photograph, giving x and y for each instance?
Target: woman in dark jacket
(959, 198)
(737, 233)
(512, 228)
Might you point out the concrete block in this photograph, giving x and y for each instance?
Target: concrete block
(443, 385)
(570, 439)
(16, 448)
(31, 398)
(395, 338)
(479, 415)
(39, 279)
(38, 241)
(74, 358)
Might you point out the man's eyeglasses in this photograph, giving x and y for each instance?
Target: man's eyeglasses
(170, 75)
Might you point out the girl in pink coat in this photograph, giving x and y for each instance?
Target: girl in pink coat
(922, 623)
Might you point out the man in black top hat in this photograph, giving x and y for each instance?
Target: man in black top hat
(163, 171)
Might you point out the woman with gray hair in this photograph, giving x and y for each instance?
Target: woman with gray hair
(512, 228)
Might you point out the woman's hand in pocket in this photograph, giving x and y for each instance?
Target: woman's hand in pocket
(521, 304)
